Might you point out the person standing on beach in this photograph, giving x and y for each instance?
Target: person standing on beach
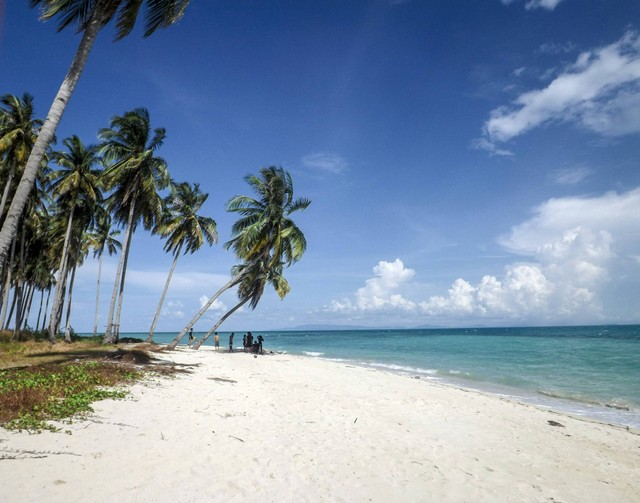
(244, 342)
(190, 337)
(216, 341)
(260, 339)
(231, 343)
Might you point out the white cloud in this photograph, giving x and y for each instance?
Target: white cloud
(186, 282)
(544, 4)
(600, 92)
(217, 305)
(380, 292)
(173, 309)
(575, 247)
(325, 162)
(487, 146)
(571, 176)
(617, 214)
(535, 4)
(578, 253)
(563, 48)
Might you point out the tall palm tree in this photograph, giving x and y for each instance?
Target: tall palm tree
(183, 228)
(18, 132)
(81, 250)
(136, 176)
(103, 238)
(89, 17)
(264, 239)
(77, 189)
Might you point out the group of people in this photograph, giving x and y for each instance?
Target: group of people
(249, 344)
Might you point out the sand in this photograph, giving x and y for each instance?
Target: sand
(284, 428)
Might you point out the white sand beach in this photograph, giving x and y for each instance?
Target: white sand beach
(281, 428)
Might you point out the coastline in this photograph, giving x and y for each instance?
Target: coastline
(283, 427)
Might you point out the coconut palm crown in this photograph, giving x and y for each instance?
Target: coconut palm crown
(265, 232)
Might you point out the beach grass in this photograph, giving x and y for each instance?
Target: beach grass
(42, 382)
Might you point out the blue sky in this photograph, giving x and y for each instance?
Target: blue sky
(470, 163)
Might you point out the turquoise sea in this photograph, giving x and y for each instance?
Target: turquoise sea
(590, 371)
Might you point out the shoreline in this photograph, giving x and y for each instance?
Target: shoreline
(624, 417)
(284, 427)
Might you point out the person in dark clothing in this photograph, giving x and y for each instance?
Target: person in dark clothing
(244, 342)
(231, 343)
(249, 341)
(260, 340)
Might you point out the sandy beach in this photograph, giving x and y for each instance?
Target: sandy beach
(287, 428)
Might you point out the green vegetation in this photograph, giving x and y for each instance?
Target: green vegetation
(29, 397)
(39, 384)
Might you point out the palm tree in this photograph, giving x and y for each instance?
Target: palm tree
(103, 238)
(136, 176)
(18, 131)
(254, 279)
(264, 239)
(183, 228)
(77, 188)
(89, 17)
(81, 250)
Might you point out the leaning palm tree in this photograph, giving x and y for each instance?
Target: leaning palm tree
(18, 132)
(136, 176)
(89, 17)
(264, 239)
(183, 228)
(250, 289)
(77, 188)
(103, 238)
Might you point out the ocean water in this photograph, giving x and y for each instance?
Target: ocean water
(589, 371)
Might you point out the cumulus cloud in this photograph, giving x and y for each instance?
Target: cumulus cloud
(600, 91)
(217, 305)
(615, 213)
(325, 162)
(575, 252)
(381, 291)
(574, 246)
(173, 309)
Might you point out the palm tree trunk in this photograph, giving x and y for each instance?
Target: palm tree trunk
(40, 310)
(46, 134)
(6, 289)
(54, 321)
(67, 332)
(20, 285)
(95, 323)
(56, 308)
(121, 294)
(5, 192)
(164, 293)
(13, 306)
(27, 310)
(46, 309)
(109, 337)
(220, 322)
(234, 281)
